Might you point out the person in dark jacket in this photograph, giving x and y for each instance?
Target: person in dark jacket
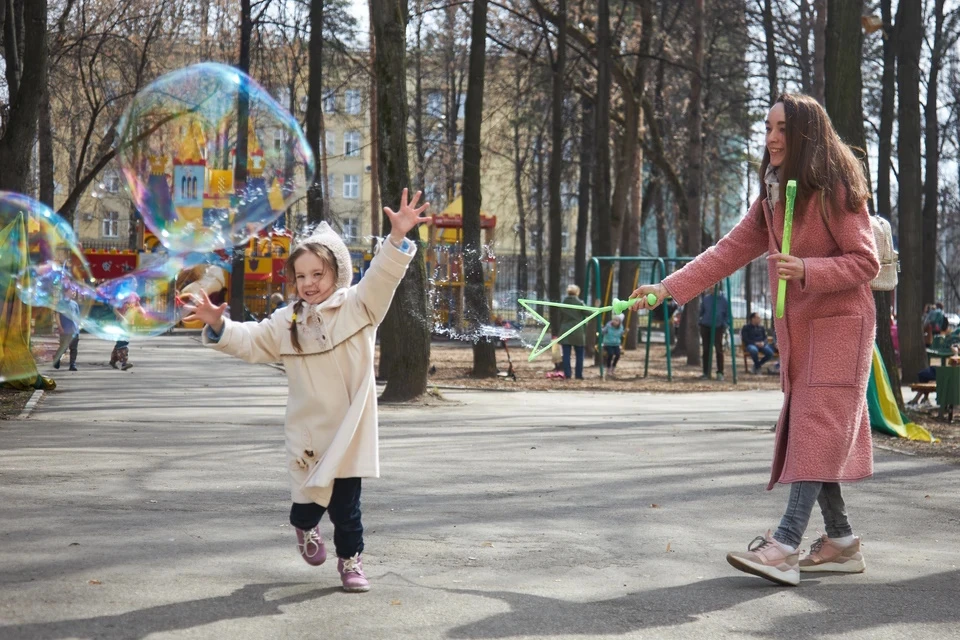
(576, 340)
(754, 339)
(706, 320)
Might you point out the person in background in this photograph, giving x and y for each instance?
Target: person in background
(754, 339)
(706, 320)
(69, 331)
(611, 341)
(575, 341)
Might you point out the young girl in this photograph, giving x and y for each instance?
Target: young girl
(825, 337)
(612, 338)
(326, 342)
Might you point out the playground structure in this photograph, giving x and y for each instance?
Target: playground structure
(658, 271)
(444, 239)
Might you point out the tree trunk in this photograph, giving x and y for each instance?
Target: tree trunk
(769, 32)
(237, 276)
(26, 59)
(843, 97)
(375, 211)
(587, 123)
(601, 183)
(694, 172)
(418, 142)
(806, 75)
(523, 278)
(931, 186)
(45, 151)
(556, 162)
(909, 38)
(475, 294)
(631, 245)
(888, 84)
(405, 332)
(819, 49)
(541, 282)
(317, 190)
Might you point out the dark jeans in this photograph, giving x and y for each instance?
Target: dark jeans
(754, 352)
(344, 512)
(717, 347)
(800, 505)
(566, 360)
(68, 342)
(613, 355)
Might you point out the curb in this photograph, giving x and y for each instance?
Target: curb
(31, 403)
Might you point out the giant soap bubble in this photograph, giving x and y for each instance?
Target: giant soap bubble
(178, 150)
(41, 256)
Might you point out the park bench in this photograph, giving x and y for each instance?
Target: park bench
(922, 391)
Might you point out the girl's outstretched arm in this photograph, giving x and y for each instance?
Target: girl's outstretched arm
(255, 342)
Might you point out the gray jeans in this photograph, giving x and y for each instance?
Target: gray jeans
(800, 505)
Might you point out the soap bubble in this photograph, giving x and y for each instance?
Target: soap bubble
(138, 304)
(177, 149)
(40, 254)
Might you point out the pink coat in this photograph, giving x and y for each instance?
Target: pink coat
(825, 337)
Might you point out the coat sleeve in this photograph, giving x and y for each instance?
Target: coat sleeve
(746, 241)
(855, 266)
(375, 290)
(255, 342)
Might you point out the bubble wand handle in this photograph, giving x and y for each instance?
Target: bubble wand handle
(787, 233)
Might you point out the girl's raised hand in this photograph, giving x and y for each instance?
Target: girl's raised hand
(407, 217)
(200, 308)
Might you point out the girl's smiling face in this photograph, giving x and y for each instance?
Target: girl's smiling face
(777, 134)
(316, 280)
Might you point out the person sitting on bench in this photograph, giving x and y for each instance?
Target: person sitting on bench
(754, 339)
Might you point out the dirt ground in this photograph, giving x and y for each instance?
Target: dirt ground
(452, 362)
(12, 402)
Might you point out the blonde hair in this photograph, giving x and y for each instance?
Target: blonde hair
(326, 256)
(573, 290)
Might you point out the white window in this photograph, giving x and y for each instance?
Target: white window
(351, 101)
(331, 185)
(462, 109)
(329, 102)
(111, 182)
(351, 230)
(331, 143)
(111, 223)
(566, 240)
(278, 140)
(351, 186)
(351, 144)
(435, 104)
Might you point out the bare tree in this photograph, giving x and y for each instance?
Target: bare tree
(405, 333)
(909, 38)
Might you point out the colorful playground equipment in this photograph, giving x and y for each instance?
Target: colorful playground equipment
(444, 239)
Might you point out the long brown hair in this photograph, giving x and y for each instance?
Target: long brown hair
(816, 158)
(326, 256)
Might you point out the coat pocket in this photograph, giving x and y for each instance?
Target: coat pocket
(835, 345)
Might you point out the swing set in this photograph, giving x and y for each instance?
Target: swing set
(658, 271)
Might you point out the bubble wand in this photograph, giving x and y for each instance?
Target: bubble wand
(618, 307)
(787, 232)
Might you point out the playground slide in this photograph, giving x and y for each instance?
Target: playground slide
(884, 414)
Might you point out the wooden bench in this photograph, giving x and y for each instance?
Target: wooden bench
(922, 391)
(748, 359)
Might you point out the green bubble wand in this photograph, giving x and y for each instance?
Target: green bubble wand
(787, 232)
(618, 307)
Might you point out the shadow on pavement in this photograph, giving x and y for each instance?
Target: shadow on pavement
(927, 600)
(250, 601)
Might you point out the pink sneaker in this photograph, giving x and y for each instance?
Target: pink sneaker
(310, 545)
(827, 555)
(351, 574)
(765, 557)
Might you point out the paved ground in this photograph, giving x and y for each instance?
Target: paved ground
(152, 504)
